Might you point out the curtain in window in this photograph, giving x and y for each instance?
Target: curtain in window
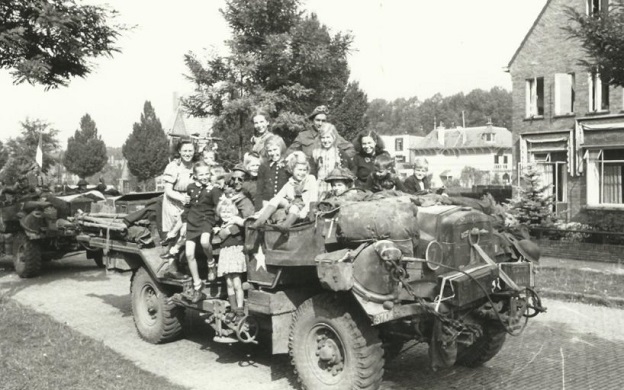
(547, 177)
(612, 186)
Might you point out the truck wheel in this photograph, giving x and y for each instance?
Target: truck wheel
(334, 347)
(484, 348)
(156, 319)
(26, 256)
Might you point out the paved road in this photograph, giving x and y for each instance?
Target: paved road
(573, 346)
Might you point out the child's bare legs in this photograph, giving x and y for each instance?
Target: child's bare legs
(236, 295)
(192, 264)
(204, 240)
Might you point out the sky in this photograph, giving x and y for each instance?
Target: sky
(402, 48)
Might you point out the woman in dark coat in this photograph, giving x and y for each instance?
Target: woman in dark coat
(368, 146)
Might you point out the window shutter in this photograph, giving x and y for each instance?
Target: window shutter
(563, 93)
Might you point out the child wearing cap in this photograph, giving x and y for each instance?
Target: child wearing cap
(340, 181)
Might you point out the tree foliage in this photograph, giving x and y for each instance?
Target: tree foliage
(21, 150)
(602, 38)
(147, 148)
(533, 205)
(280, 60)
(48, 42)
(349, 116)
(86, 152)
(412, 116)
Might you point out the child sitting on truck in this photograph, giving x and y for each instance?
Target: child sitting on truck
(418, 183)
(199, 215)
(232, 209)
(384, 178)
(295, 196)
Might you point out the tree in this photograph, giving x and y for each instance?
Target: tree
(533, 206)
(86, 152)
(349, 115)
(280, 60)
(22, 150)
(48, 42)
(146, 149)
(602, 37)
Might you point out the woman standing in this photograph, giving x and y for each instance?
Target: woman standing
(326, 157)
(177, 176)
(261, 132)
(368, 146)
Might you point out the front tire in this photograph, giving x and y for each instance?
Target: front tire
(484, 348)
(333, 346)
(155, 318)
(26, 257)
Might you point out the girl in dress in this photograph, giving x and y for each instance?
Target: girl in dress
(327, 157)
(232, 209)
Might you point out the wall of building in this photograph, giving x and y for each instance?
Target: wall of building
(545, 52)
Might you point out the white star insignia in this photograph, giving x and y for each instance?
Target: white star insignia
(260, 259)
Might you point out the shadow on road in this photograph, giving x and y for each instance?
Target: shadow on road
(72, 267)
(119, 302)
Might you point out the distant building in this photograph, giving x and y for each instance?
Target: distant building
(399, 147)
(485, 148)
(183, 125)
(567, 120)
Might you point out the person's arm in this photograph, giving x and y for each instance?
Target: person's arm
(260, 185)
(345, 146)
(186, 207)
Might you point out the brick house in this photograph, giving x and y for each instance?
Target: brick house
(399, 147)
(484, 148)
(566, 120)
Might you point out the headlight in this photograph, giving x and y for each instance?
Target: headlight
(434, 254)
(387, 250)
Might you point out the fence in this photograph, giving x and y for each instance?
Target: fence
(581, 244)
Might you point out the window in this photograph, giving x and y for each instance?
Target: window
(398, 144)
(535, 97)
(605, 181)
(594, 7)
(564, 93)
(505, 159)
(553, 169)
(400, 159)
(488, 137)
(598, 93)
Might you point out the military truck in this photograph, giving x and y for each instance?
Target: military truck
(342, 307)
(35, 229)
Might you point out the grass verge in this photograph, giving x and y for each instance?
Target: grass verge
(39, 353)
(581, 285)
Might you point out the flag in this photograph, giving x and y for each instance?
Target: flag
(39, 155)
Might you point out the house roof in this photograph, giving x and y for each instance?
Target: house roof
(466, 138)
(526, 37)
(184, 125)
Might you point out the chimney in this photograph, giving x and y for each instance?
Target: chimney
(441, 130)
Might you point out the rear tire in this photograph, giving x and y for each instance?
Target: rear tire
(26, 256)
(484, 348)
(333, 346)
(155, 318)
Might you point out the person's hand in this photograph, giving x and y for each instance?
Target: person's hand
(236, 220)
(303, 214)
(216, 229)
(186, 199)
(224, 233)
